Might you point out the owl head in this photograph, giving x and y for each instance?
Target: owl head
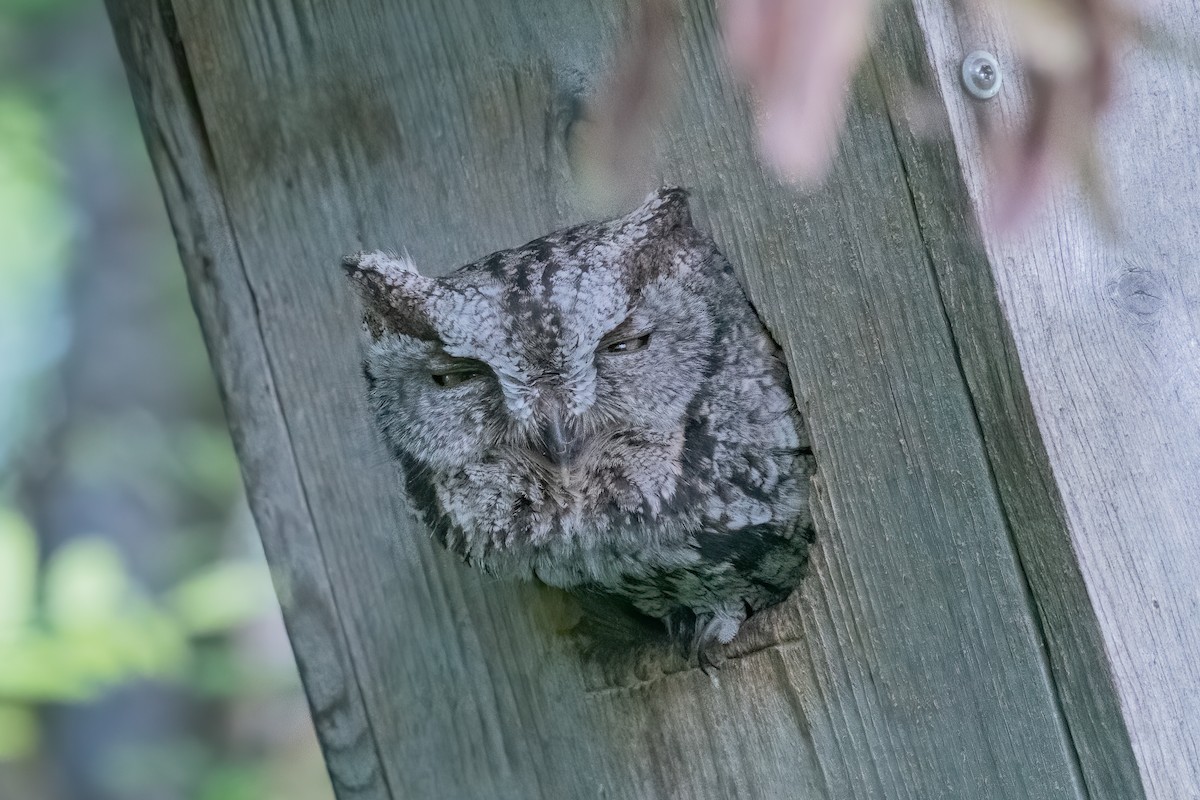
(541, 385)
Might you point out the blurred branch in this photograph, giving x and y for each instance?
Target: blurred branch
(797, 56)
(1069, 50)
(611, 145)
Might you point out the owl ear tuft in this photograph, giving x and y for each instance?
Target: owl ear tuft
(655, 226)
(395, 296)
(663, 210)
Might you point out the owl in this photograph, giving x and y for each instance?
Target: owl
(600, 410)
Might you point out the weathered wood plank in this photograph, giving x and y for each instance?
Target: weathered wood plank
(911, 664)
(1000, 398)
(1105, 331)
(843, 279)
(178, 143)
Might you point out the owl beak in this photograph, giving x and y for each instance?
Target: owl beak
(557, 443)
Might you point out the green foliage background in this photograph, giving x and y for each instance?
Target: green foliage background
(77, 623)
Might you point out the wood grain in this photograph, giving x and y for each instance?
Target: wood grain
(911, 664)
(178, 143)
(1106, 330)
(1000, 398)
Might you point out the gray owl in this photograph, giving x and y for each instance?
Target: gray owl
(600, 410)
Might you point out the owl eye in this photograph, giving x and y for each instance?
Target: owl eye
(630, 345)
(461, 372)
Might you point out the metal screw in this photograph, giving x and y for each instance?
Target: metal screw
(981, 74)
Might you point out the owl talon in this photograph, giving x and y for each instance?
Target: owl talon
(712, 634)
(710, 657)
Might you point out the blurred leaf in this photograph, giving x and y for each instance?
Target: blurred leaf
(18, 733)
(235, 782)
(18, 574)
(34, 219)
(101, 631)
(41, 667)
(145, 642)
(106, 631)
(35, 227)
(222, 597)
(76, 665)
(86, 584)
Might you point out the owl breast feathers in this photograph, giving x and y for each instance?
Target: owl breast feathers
(601, 410)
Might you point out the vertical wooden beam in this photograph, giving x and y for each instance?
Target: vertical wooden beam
(911, 665)
(163, 90)
(1080, 347)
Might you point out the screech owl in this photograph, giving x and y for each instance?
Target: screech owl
(601, 410)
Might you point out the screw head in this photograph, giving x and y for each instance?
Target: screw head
(981, 74)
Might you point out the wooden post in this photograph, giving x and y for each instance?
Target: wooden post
(1002, 601)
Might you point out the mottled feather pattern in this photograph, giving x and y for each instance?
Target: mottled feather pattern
(600, 410)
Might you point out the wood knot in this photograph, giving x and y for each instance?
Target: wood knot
(1140, 291)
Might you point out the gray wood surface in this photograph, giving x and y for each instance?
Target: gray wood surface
(229, 316)
(1107, 332)
(987, 355)
(944, 645)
